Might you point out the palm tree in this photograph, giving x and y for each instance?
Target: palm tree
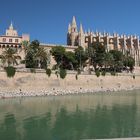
(42, 57)
(9, 57)
(25, 44)
(36, 56)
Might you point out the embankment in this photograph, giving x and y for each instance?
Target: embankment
(40, 81)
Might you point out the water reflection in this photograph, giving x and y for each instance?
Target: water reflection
(56, 120)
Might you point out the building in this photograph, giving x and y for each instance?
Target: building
(122, 43)
(12, 39)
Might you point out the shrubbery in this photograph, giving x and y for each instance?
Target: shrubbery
(56, 73)
(76, 76)
(48, 72)
(10, 71)
(103, 73)
(113, 73)
(32, 70)
(63, 73)
(97, 73)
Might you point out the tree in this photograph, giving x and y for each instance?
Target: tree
(80, 56)
(96, 53)
(129, 62)
(108, 60)
(25, 44)
(9, 57)
(42, 57)
(36, 57)
(118, 60)
(58, 54)
(69, 61)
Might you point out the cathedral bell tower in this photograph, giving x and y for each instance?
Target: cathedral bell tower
(72, 36)
(81, 37)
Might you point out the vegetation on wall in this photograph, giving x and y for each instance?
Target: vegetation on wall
(48, 72)
(62, 73)
(10, 71)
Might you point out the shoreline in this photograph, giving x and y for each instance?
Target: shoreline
(38, 84)
(60, 92)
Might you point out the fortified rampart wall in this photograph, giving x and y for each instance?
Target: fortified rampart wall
(40, 81)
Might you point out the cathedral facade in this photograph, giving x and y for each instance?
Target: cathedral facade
(122, 43)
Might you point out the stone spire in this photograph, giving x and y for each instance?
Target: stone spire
(11, 26)
(69, 28)
(73, 21)
(11, 31)
(74, 25)
(81, 29)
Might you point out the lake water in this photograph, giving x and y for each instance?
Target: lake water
(106, 115)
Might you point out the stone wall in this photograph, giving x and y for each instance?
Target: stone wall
(40, 81)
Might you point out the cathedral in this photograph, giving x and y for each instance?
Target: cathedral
(122, 43)
(77, 38)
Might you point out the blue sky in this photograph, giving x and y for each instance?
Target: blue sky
(47, 20)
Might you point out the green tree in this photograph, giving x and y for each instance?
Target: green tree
(108, 60)
(118, 60)
(36, 57)
(42, 57)
(69, 61)
(9, 57)
(81, 57)
(129, 62)
(58, 54)
(65, 59)
(96, 53)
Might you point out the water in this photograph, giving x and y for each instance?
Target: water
(71, 117)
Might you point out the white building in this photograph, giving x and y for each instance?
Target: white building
(12, 39)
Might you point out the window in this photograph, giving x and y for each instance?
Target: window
(16, 40)
(10, 40)
(4, 39)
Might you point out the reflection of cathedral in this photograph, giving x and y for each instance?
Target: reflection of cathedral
(11, 38)
(122, 43)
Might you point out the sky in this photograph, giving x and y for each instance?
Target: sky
(47, 20)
